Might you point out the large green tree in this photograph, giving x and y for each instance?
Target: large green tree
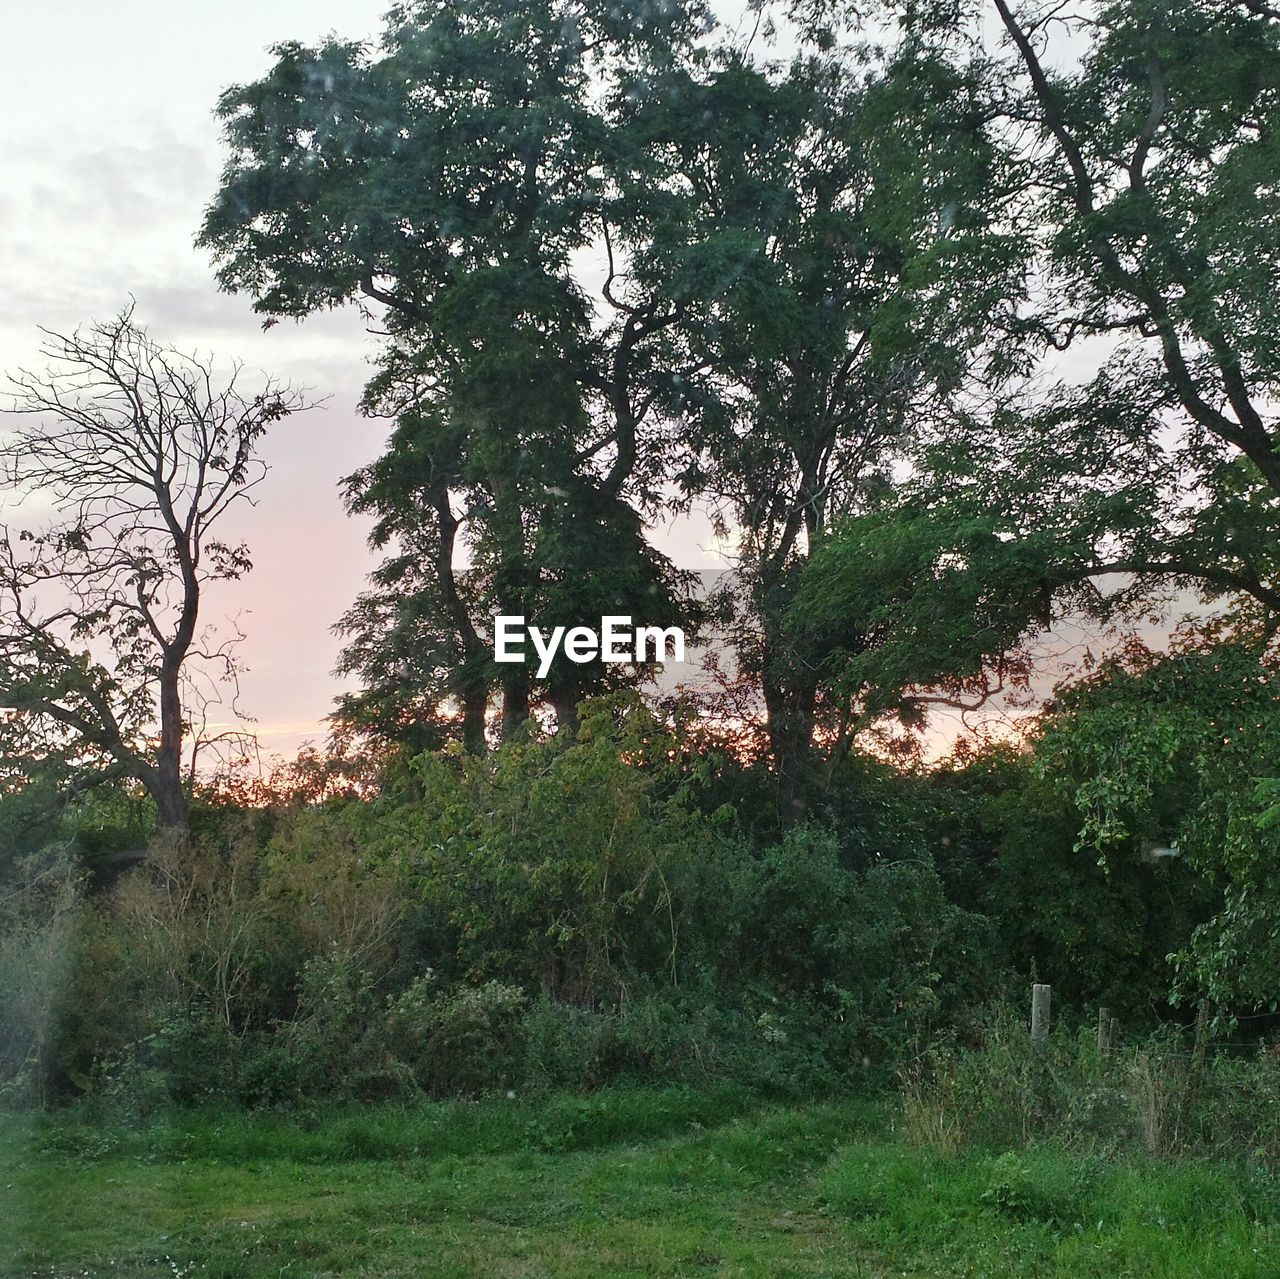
(1129, 456)
(830, 246)
(849, 260)
(452, 179)
(1147, 461)
(1157, 187)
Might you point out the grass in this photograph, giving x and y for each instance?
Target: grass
(638, 1183)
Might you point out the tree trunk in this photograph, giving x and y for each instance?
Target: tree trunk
(790, 698)
(515, 702)
(165, 783)
(512, 579)
(564, 701)
(172, 807)
(475, 701)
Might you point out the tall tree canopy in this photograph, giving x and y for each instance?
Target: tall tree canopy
(623, 265)
(864, 213)
(452, 178)
(1127, 454)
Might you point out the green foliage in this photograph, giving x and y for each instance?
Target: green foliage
(562, 911)
(548, 860)
(800, 256)
(884, 954)
(451, 175)
(467, 1040)
(905, 605)
(1004, 827)
(1148, 175)
(685, 1036)
(1174, 752)
(39, 918)
(334, 1035)
(1159, 1094)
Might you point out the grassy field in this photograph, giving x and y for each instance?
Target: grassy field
(635, 1183)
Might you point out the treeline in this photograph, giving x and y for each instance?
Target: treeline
(835, 287)
(958, 321)
(623, 901)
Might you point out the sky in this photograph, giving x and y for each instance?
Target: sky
(110, 153)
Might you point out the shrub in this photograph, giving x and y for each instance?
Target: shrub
(40, 913)
(548, 860)
(1157, 1095)
(856, 963)
(466, 1040)
(337, 1040)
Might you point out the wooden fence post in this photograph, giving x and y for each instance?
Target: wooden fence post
(1104, 1031)
(1202, 1035)
(1039, 1013)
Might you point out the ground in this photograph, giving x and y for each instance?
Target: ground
(636, 1183)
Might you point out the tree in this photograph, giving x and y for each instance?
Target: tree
(1141, 153)
(858, 218)
(448, 178)
(140, 453)
(1149, 197)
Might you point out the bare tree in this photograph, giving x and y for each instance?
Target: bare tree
(139, 452)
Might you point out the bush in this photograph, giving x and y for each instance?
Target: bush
(1157, 1095)
(467, 1040)
(337, 1037)
(559, 912)
(40, 913)
(547, 863)
(859, 963)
